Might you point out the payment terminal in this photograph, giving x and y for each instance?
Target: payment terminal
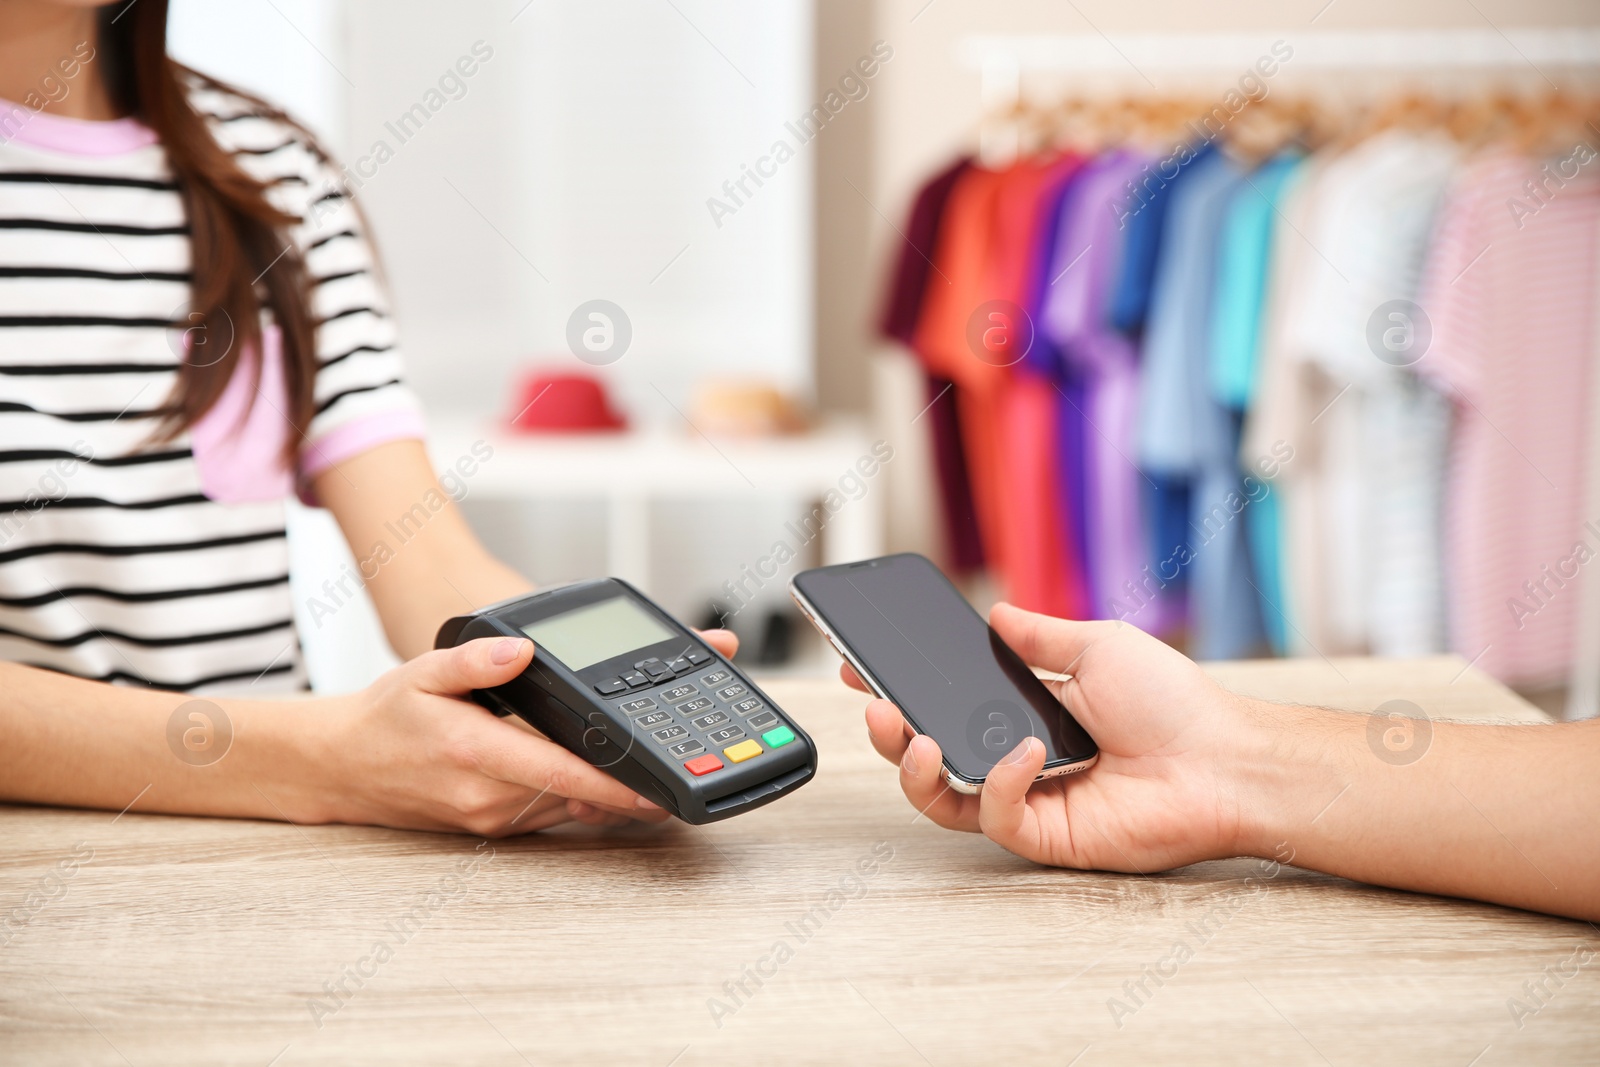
(625, 686)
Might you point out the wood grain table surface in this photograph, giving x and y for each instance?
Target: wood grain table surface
(859, 932)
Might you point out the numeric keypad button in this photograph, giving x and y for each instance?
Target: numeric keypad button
(670, 734)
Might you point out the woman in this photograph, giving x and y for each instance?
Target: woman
(191, 328)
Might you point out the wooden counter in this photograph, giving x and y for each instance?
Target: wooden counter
(169, 941)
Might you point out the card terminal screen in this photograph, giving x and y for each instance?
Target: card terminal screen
(584, 636)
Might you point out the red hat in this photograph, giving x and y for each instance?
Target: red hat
(564, 403)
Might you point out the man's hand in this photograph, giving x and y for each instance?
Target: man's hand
(1155, 799)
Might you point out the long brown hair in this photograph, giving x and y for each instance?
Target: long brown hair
(242, 259)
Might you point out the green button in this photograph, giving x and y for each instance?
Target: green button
(779, 737)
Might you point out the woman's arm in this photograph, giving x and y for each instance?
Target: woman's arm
(406, 751)
(75, 743)
(1190, 772)
(421, 561)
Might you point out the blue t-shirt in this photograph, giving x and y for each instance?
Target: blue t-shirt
(1181, 428)
(1142, 215)
(1243, 261)
(1243, 255)
(1185, 435)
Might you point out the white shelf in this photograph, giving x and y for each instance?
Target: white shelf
(632, 469)
(668, 462)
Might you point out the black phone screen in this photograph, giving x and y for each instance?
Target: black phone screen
(940, 662)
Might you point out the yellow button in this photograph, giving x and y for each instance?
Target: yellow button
(742, 751)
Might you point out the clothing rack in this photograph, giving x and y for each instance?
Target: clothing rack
(1543, 54)
(1003, 60)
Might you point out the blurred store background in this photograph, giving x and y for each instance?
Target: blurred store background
(1270, 327)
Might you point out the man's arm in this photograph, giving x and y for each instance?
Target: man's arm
(1189, 772)
(1509, 814)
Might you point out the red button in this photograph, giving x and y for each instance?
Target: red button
(703, 765)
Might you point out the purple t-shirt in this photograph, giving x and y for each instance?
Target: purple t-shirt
(1100, 366)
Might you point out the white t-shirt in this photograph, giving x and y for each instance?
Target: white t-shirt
(1383, 443)
(164, 564)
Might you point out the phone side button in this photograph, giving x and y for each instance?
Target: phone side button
(838, 649)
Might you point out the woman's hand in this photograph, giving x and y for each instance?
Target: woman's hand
(411, 751)
(1159, 796)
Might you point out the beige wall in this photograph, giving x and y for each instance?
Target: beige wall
(924, 108)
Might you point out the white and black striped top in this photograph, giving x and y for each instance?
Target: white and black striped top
(163, 565)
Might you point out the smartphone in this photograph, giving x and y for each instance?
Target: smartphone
(914, 639)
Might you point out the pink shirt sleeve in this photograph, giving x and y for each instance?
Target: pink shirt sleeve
(360, 435)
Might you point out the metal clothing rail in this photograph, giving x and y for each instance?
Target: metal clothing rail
(1003, 61)
(1434, 49)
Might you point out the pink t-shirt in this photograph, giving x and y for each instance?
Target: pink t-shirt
(1510, 294)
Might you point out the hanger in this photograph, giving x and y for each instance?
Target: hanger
(1556, 123)
(1413, 109)
(1275, 123)
(1552, 123)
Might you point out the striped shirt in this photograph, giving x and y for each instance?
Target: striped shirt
(1510, 291)
(127, 561)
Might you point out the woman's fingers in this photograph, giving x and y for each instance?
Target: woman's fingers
(479, 664)
(593, 816)
(888, 730)
(534, 820)
(724, 641)
(1003, 812)
(507, 753)
(638, 814)
(529, 813)
(542, 766)
(491, 661)
(563, 787)
(922, 781)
